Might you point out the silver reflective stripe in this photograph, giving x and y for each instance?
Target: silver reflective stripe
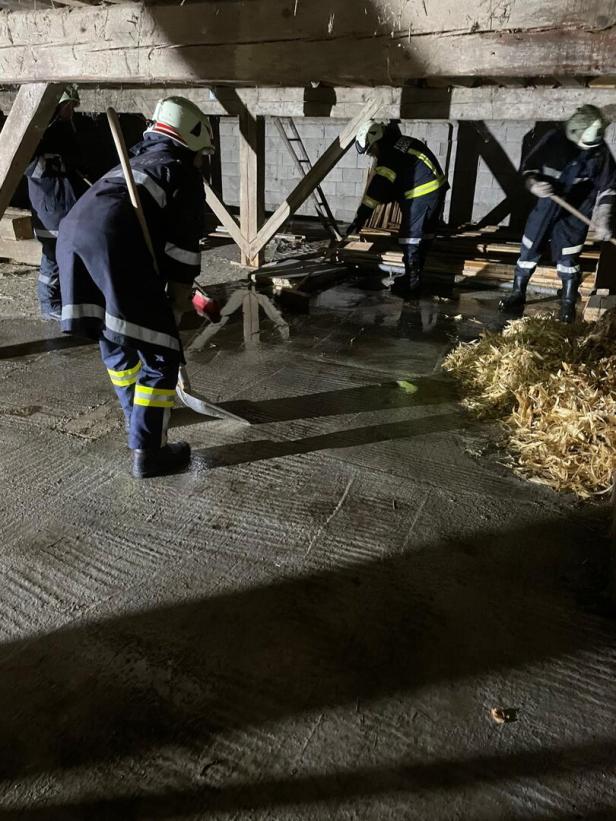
(609, 192)
(574, 249)
(409, 240)
(527, 242)
(45, 280)
(120, 326)
(39, 169)
(551, 172)
(568, 269)
(580, 179)
(141, 178)
(85, 310)
(43, 233)
(182, 255)
(526, 265)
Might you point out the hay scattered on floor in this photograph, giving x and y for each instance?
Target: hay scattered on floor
(553, 386)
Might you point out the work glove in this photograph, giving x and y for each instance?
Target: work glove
(540, 188)
(602, 221)
(180, 295)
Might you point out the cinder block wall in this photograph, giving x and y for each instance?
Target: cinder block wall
(344, 186)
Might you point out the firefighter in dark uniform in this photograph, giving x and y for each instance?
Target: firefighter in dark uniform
(407, 172)
(55, 183)
(110, 288)
(576, 164)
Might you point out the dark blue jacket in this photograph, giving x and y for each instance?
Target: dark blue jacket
(54, 179)
(108, 281)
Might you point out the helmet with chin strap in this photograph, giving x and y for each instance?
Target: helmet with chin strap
(586, 128)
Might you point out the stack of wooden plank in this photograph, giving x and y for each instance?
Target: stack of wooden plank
(485, 257)
(17, 241)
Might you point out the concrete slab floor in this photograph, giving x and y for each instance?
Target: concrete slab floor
(315, 621)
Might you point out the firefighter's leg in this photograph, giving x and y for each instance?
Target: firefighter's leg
(412, 240)
(530, 254)
(567, 244)
(123, 366)
(154, 398)
(48, 285)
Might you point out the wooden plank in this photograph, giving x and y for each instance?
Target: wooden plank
(27, 251)
(317, 173)
(226, 219)
(252, 184)
(22, 131)
(259, 43)
(16, 224)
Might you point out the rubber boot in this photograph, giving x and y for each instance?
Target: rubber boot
(160, 461)
(568, 299)
(409, 284)
(515, 302)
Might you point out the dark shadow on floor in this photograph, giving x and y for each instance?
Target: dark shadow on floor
(246, 452)
(56, 343)
(440, 777)
(180, 674)
(417, 392)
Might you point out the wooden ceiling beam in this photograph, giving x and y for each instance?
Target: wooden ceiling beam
(269, 43)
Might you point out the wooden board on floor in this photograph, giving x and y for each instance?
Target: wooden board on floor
(27, 251)
(16, 224)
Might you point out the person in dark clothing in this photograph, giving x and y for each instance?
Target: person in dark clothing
(111, 290)
(407, 172)
(575, 163)
(55, 183)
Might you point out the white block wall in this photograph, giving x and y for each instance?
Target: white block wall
(344, 186)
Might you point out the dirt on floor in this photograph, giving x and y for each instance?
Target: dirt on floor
(347, 609)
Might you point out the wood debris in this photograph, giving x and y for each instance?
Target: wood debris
(553, 387)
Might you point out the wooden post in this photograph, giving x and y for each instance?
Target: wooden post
(252, 182)
(314, 177)
(22, 132)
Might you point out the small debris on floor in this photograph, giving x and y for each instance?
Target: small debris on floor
(504, 715)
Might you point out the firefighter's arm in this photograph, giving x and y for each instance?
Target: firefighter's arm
(379, 190)
(603, 217)
(181, 252)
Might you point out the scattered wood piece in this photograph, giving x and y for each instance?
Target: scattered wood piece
(23, 250)
(16, 224)
(504, 715)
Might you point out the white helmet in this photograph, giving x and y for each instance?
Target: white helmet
(369, 133)
(586, 128)
(70, 95)
(185, 123)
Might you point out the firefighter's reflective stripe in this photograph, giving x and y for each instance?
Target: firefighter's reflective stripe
(388, 173)
(45, 279)
(83, 310)
(426, 188)
(43, 233)
(369, 202)
(425, 160)
(609, 192)
(526, 264)
(574, 249)
(120, 326)
(141, 178)
(124, 378)
(182, 255)
(154, 397)
(410, 240)
(551, 172)
(568, 269)
(527, 242)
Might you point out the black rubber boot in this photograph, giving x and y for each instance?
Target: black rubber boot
(515, 302)
(409, 284)
(568, 298)
(160, 461)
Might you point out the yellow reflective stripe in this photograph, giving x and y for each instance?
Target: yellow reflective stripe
(370, 202)
(129, 372)
(155, 391)
(153, 403)
(388, 173)
(425, 160)
(124, 383)
(426, 188)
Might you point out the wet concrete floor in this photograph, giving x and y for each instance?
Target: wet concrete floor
(316, 620)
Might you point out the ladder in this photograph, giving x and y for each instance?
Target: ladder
(290, 137)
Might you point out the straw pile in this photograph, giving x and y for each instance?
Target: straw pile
(553, 386)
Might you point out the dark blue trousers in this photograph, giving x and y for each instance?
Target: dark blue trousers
(48, 285)
(144, 380)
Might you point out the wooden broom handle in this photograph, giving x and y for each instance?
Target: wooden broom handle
(564, 204)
